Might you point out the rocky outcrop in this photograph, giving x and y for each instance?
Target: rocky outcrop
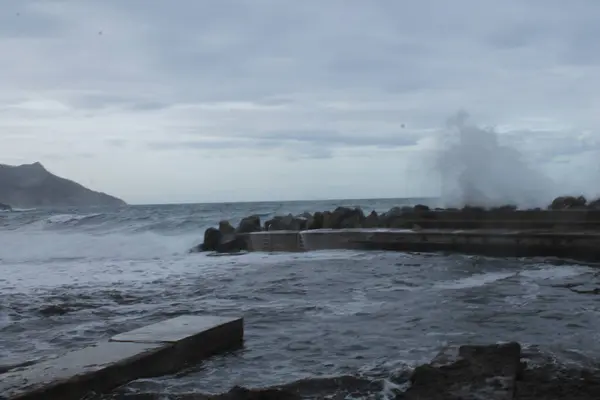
(470, 372)
(5, 207)
(31, 185)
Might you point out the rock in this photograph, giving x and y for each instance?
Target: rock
(372, 220)
(475, 372)
(249, 224)
(345, 218)
(226, 228)
(286, 223)
(594, 204)
(471, 209)
(504, 208)
(317, 221)
(421, 207)
(241, 393)
(212, 240)
(234, 244)
(568, 202)
(396, 217)
(5, 207)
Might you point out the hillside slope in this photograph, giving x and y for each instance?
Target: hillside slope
(31, 185)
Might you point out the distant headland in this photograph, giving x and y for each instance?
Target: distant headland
(32, 185)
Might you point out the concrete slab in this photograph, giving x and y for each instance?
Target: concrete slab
(159, 349)
(177, 329)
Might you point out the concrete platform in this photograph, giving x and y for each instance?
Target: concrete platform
(494, 242)
(158, 349)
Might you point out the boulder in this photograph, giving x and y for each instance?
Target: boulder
(233, 244)
(317, 221)
(473, 372)
(421, 207)
(394, 217)
(372, 220)
(594, 204)
(249, 224)
(286, 223)
(226, 228)
(5, 207)
(568, 202)
(504, 208)
(345, 218)
(212, 239)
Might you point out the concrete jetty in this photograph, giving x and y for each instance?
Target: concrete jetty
(158, 349)
(583, 245)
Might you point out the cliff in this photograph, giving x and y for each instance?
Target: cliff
(31, 185)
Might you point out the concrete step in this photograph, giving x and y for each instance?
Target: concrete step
(158, 349)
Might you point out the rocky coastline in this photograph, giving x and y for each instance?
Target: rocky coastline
(566, 213)
(491, 372)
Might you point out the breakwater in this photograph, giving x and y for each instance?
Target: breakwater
(571, 232)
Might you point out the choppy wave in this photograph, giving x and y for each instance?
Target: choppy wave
(169, 219)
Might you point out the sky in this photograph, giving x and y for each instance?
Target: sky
(239, 100)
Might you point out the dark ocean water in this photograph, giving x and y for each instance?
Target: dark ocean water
(69, 278)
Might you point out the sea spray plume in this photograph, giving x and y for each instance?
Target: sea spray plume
(477, 170)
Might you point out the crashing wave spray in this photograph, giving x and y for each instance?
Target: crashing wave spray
(477, 170)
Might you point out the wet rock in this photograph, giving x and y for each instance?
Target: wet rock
(249, 224)
(234, 244)
(472, 209)
(345, 218)
(594, 204)
(212, 240)
(241, 393)
(372, 220)
(421, 207)
(286, 223)
(317, 221)
(568, 202)
(226, 228)
(504, 208)
(394, 217)
(5, 207)
(476, 372)
(548, 383)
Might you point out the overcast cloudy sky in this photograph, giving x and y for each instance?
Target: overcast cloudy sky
(229, 100)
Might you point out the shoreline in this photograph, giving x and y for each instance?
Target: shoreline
(490, 371)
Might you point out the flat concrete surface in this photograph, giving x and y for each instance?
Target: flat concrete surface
(158, 349)
(174, 330)
(73, 365)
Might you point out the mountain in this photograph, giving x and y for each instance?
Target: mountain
(31, 185)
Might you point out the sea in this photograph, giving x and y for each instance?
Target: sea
(72, 277)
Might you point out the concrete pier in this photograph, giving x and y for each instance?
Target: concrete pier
(159, 349)
(494, 242)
